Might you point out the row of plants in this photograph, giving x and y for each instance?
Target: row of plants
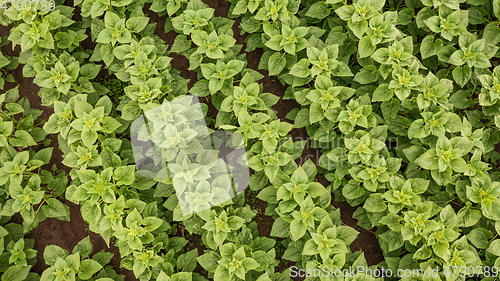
(233, 255)
(366, 83)
(31, 192)
(417, 74)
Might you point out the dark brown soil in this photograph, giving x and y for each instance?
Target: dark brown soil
(67, 234)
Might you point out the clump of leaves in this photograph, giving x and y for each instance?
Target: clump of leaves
(116, 88)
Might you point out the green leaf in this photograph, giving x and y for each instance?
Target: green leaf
(390, 109)
(55, 209)
(301, 69)
(263, 244)
(297, 229)
(107, 54)
(276, 64)
(468, 217)
(365, 47)
(479, 237)
(367, 75)
(124, 175)
(318, 10)
(382, 93)
(346, 234)
(52, 252)
(89, 137)
(88, 268)
(209, 261)
(302, 118)
(345, 12)
(429, 48)
(131, 111)
(44, 155)
(496, 8)
(358, 28)
(269, 99)
(91, 212)
(16, 273)
(456, 58)
(280, 228)
(105, 102)
(394, 239)
(103, 258)
(448, 217)
(84, 247)
(200, 88)
(14, 108)
(274, 43)
(316, 112)
(105, 36)
(428, 160)
(492, 33)
(182, 276)
(181, 44)
(137, 24)
(23, 138)
(375, 204)
(460, 99)
(417, 130)
(4, 61)
(461, 75)
(494, 247)
(187, 262)
(163, 277)
(459, 165)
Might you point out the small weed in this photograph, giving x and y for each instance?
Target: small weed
(280, 249)
(115, 87)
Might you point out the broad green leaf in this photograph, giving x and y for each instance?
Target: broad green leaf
(280, 228)
(429, 47)
(494, 247)
(124, 175)
(88, 268)
(496, 8)
(137, 24)
(16, 273)
(276, 63)
(209, 261)
(22, 138)
(187, 262)
(84, 247)
(367, 75)
(461, 75)
(365, 47)
(52, 252)
(55, 209)
(318, 10)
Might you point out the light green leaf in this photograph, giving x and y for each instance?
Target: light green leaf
(365, 47)
(276, 64)
(16, 273)
(461, 74)
(88, 268)
(367, 75)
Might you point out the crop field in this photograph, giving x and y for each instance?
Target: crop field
(259, 140)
